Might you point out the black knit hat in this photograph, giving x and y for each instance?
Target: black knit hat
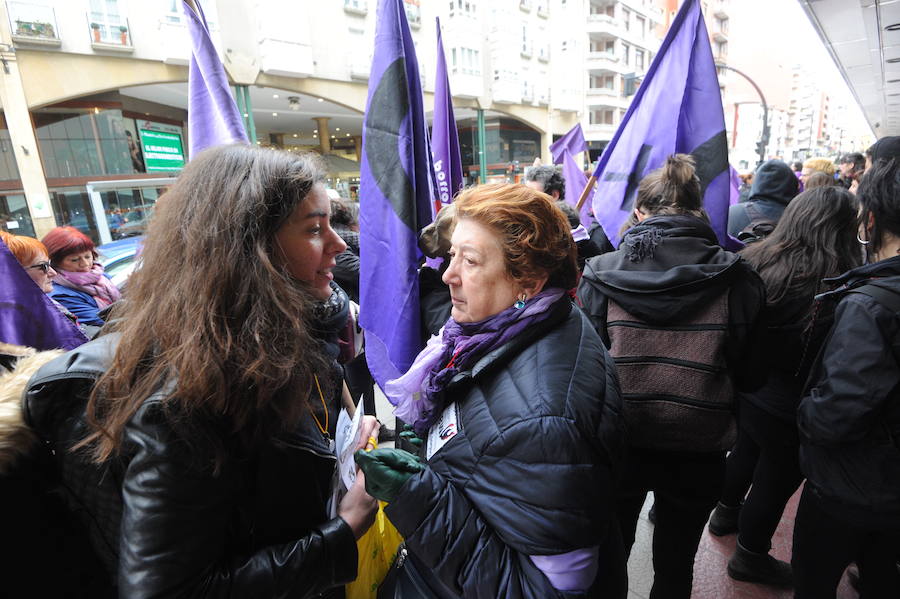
(886, 147)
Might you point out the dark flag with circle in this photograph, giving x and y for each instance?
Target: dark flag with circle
(396, 193)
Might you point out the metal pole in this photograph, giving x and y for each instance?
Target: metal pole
(482, 147)
(251, 129)
(764, 140)
(239, 99)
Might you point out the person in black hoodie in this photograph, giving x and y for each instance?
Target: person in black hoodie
(849, 418)
(815, 238)
(774, 185)
(679, 315)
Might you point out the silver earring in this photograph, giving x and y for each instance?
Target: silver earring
(861, 241)
(520, 303)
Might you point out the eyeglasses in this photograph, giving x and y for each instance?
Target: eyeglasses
(44, 266)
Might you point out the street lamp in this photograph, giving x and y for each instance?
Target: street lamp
(764, 140)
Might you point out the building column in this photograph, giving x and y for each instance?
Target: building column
(324, 134)
(357, 145)
(22, 136)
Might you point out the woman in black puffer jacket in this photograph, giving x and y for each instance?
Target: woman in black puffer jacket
(518, 406)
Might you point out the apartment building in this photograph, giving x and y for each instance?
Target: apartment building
(86, 83)
(622, 37)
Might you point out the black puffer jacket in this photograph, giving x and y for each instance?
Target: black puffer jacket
(850, 417)
(166, 526)
(530, 471)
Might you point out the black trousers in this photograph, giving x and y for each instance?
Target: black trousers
(767, 453)
(686, 487)
(825, 542)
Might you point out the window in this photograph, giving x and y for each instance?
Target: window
(641, 26)
(626, 54)
(453, 59)
(721, 48)
(602, 116)
(639, 59)
(106, 20)
(626, 19)
(526, 42)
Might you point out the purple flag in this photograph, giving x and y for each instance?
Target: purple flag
(448, 171)
(395, 198)
(575, 182)
(677, 109)
(572, 142)
(27, 315)
(213, 117)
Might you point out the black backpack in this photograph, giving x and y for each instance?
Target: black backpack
(759, 228)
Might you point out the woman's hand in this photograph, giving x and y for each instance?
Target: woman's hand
(358, 508)
(387, 471)
(368, 430)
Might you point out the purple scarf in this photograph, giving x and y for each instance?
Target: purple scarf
(93, 282)
(456, 348)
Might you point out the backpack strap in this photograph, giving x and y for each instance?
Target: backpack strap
(885, 296)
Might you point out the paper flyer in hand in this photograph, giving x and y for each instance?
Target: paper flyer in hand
(346, 439)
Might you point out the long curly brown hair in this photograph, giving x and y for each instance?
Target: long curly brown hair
(212, 312)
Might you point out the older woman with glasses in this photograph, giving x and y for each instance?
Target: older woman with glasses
(32, 255)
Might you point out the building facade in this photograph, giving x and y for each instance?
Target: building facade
(94, 92)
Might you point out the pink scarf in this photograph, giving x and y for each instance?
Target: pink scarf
(93, 282)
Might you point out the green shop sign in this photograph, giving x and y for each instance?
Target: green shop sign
(162, 151)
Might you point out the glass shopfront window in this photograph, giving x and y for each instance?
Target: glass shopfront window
(72, 208)
(128, 211)
(14, 215)
(9, 171)
(94, 142)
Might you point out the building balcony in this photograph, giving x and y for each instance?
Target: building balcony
(525, 5)
(601, 92)
(601, 23)
(114, 36)
(286, 59)
(720, 36)
(543, 10)
(599, 132)
(467, 85)
(606, 61)
(720, 9)
(356, 7)
(32, 24)
(413, 16)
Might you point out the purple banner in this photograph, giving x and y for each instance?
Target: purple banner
(395, 198)
(572, 142)
(575, 182)
(213, 117)
(448, 171)
(677, 109)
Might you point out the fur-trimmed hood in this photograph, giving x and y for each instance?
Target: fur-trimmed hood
(17, 366)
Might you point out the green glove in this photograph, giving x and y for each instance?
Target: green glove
(387, 470)
(410, 435)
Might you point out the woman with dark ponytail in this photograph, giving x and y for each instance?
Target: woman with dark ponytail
(679, 315)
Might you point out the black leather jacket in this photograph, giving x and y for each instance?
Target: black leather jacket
(166, 526)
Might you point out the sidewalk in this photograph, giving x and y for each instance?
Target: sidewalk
(711, 581)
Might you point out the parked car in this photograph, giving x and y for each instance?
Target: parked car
(119, 258)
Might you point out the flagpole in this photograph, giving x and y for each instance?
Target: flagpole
(587, 191)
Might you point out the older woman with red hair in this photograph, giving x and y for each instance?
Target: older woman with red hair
(81, 285)
(32, 255)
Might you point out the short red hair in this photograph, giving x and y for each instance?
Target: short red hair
(25, 249)
(533, 233)
(63, 241)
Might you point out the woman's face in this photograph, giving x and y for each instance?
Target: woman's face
(479, 284)
(41, 272)
(78, 262)
(307, 244)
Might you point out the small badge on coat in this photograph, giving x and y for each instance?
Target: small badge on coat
(442, 431)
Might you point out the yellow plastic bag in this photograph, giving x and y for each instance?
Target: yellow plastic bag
(376, 551)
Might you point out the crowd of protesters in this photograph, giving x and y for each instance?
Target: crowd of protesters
(187, 450)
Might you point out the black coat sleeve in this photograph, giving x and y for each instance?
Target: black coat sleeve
(746, 344)
(857, 376)
(174, 523)
(593, 302)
